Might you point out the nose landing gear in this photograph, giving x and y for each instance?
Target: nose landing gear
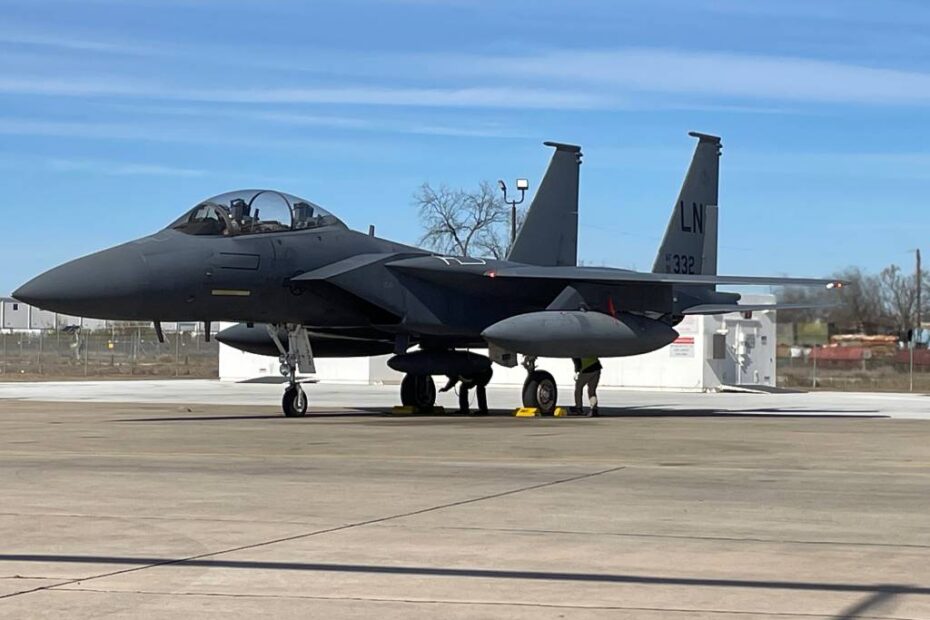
(294, 402)
(297, 355)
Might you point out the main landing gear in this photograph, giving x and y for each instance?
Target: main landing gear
(417, 391)
(539, 389)
(297, 355)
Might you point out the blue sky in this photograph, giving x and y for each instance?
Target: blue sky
(118, 115)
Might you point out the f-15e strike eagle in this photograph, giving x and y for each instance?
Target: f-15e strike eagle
(301, 284)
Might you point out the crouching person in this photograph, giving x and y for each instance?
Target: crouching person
(478, 381)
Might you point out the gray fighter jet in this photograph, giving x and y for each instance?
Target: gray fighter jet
(301, 284)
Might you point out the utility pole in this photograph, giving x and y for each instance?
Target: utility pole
(914, 333)
(919, 283)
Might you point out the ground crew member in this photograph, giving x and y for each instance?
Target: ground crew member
(479, 382)
(587, 372)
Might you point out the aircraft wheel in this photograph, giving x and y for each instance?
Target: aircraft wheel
(418, 391)
(294, 402)
(539, 391)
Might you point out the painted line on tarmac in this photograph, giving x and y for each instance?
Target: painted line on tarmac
(153, 563)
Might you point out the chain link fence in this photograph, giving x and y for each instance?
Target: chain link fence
(126, 351)
(134, 351)
(894, 373)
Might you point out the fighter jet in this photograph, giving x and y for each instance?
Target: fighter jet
(301, 285)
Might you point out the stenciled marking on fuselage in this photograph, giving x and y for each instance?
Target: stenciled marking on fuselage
(461, 260)
(225, 292)
(697, 218)
(681, 263)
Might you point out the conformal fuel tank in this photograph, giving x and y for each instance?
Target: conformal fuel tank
(555, 333)
(256, 340)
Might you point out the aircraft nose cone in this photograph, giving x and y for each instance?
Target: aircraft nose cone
(104, 285)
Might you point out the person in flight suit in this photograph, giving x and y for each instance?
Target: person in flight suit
(587, 373)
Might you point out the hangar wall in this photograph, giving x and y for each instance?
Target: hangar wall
(16, 316)
(711, 351)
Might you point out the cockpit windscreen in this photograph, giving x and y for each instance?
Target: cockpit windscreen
(253, 211)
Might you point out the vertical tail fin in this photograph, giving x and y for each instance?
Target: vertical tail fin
(549, 234)
(690, 242)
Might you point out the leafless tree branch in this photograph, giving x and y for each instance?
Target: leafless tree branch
(459, 222)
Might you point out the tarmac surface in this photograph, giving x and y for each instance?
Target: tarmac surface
(167, 499)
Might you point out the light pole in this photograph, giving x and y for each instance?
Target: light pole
(522, 185)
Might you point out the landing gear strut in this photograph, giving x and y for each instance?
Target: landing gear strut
(297, 355)
(418, 391)
(539, 389)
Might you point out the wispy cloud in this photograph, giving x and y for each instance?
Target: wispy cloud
(380, 124)
(476, 96)
(619, 78)
(14, 126)
(309, 147)
(711, 75)
(118, 168)
(892, 11)
(465, 129)
(141, 132)
(63, 41)
(73, 87)
(901, 166)
(556, 79)
(467, 97)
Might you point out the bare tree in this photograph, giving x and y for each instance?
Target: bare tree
(862, 304)
(870, 304)
(496, 243)
(813, 298)
(900, 293)
(459, 222)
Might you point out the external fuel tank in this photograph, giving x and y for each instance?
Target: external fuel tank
(556, 333)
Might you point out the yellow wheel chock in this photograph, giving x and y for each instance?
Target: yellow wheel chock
(533, 412)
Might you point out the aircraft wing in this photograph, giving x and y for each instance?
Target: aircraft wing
(607, 275)
(728, 308)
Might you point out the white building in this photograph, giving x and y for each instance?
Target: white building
(15, 316)
(711, 352)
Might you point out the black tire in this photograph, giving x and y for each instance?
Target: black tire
(418, 391)
(294, 403)
(540, 392)
(529, 391)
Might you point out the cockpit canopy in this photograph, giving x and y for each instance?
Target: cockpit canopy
(253, 211)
